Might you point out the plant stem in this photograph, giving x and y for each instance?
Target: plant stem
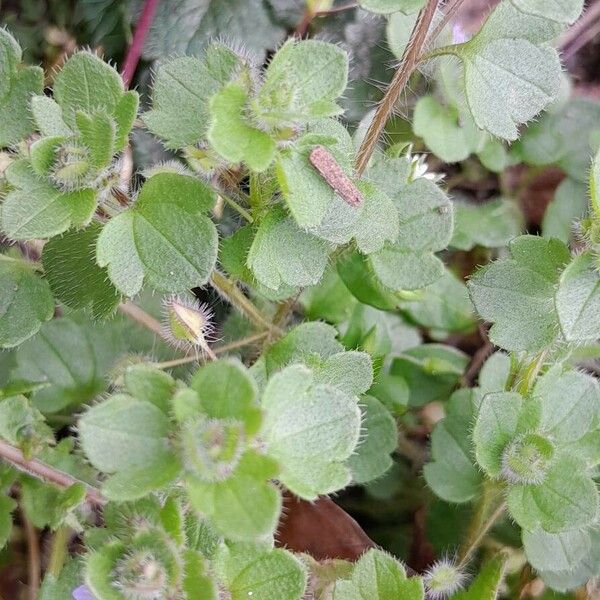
(336, 9)
(483, 520)
(450, 12)
(410, 59)
(134, 52)
(229, 290)
(133, 311)
(529, 372)
(169, 364)
(58, 553)
(239, 209)
(45, 472)
(34, 568)
(587, 20)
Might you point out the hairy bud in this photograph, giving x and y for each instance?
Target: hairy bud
(526, 459)
(141, 576)
(213, 447)
(71, 167)
(443, 579)
(187, 324)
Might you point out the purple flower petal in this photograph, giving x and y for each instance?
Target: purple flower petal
(83, 593)
(459, 35)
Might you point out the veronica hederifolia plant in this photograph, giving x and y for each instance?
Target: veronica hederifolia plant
(189, 467)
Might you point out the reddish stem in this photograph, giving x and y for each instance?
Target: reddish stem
(132, 58)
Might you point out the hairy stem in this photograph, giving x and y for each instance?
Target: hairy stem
(487, 512)
(237, 207)
(169, 364)
(450, 12)
(134, 52)
(45, 472)
(409, 62)
(58, 553)
(237, 298)
(133, 311)
(33, 558)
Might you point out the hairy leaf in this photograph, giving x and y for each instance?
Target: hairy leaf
(73, 274)
(25, 302)
(165, 239)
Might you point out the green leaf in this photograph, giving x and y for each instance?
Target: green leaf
(227, 391)
(153, 385)
(283, 254)
(231, 135)
(567, 499)
(70, 265)
(359, 277)
(300, 343)
(25, 302)
(181, 91)
(431, 371)
(19, 83)
(490, 225)
(426, 222)
(493, 155)
(35, 209)
(267, 574)
(378, 576)
(58, 588)
(439, 127)
(309, 197)
(556, 551)
(510, 75)
(86, 83)
(487, 584)
(562, 11)
(233, 254)
(556, 138)
(245, 506)
(302, 82)
(164, 239)
(123, 433)
(390, 6)
(310, 429)
(330, 300)
(97, 131)
(569, 205)
(495, 373)
(198, 583)
(48, 117)
(452, 473)
(578, 300)
(570, 403)
(23, 425)
(350, 372)
(517, 294)
(47, 505)
(443, 305)
(188, 26)
(72, 358)
(496, 425)
(372, 457)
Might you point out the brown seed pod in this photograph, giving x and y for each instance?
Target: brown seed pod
(329, 169)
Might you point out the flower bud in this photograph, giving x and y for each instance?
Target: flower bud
(187, 324)
(213, 447)
(526, 459)
(443, 579)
